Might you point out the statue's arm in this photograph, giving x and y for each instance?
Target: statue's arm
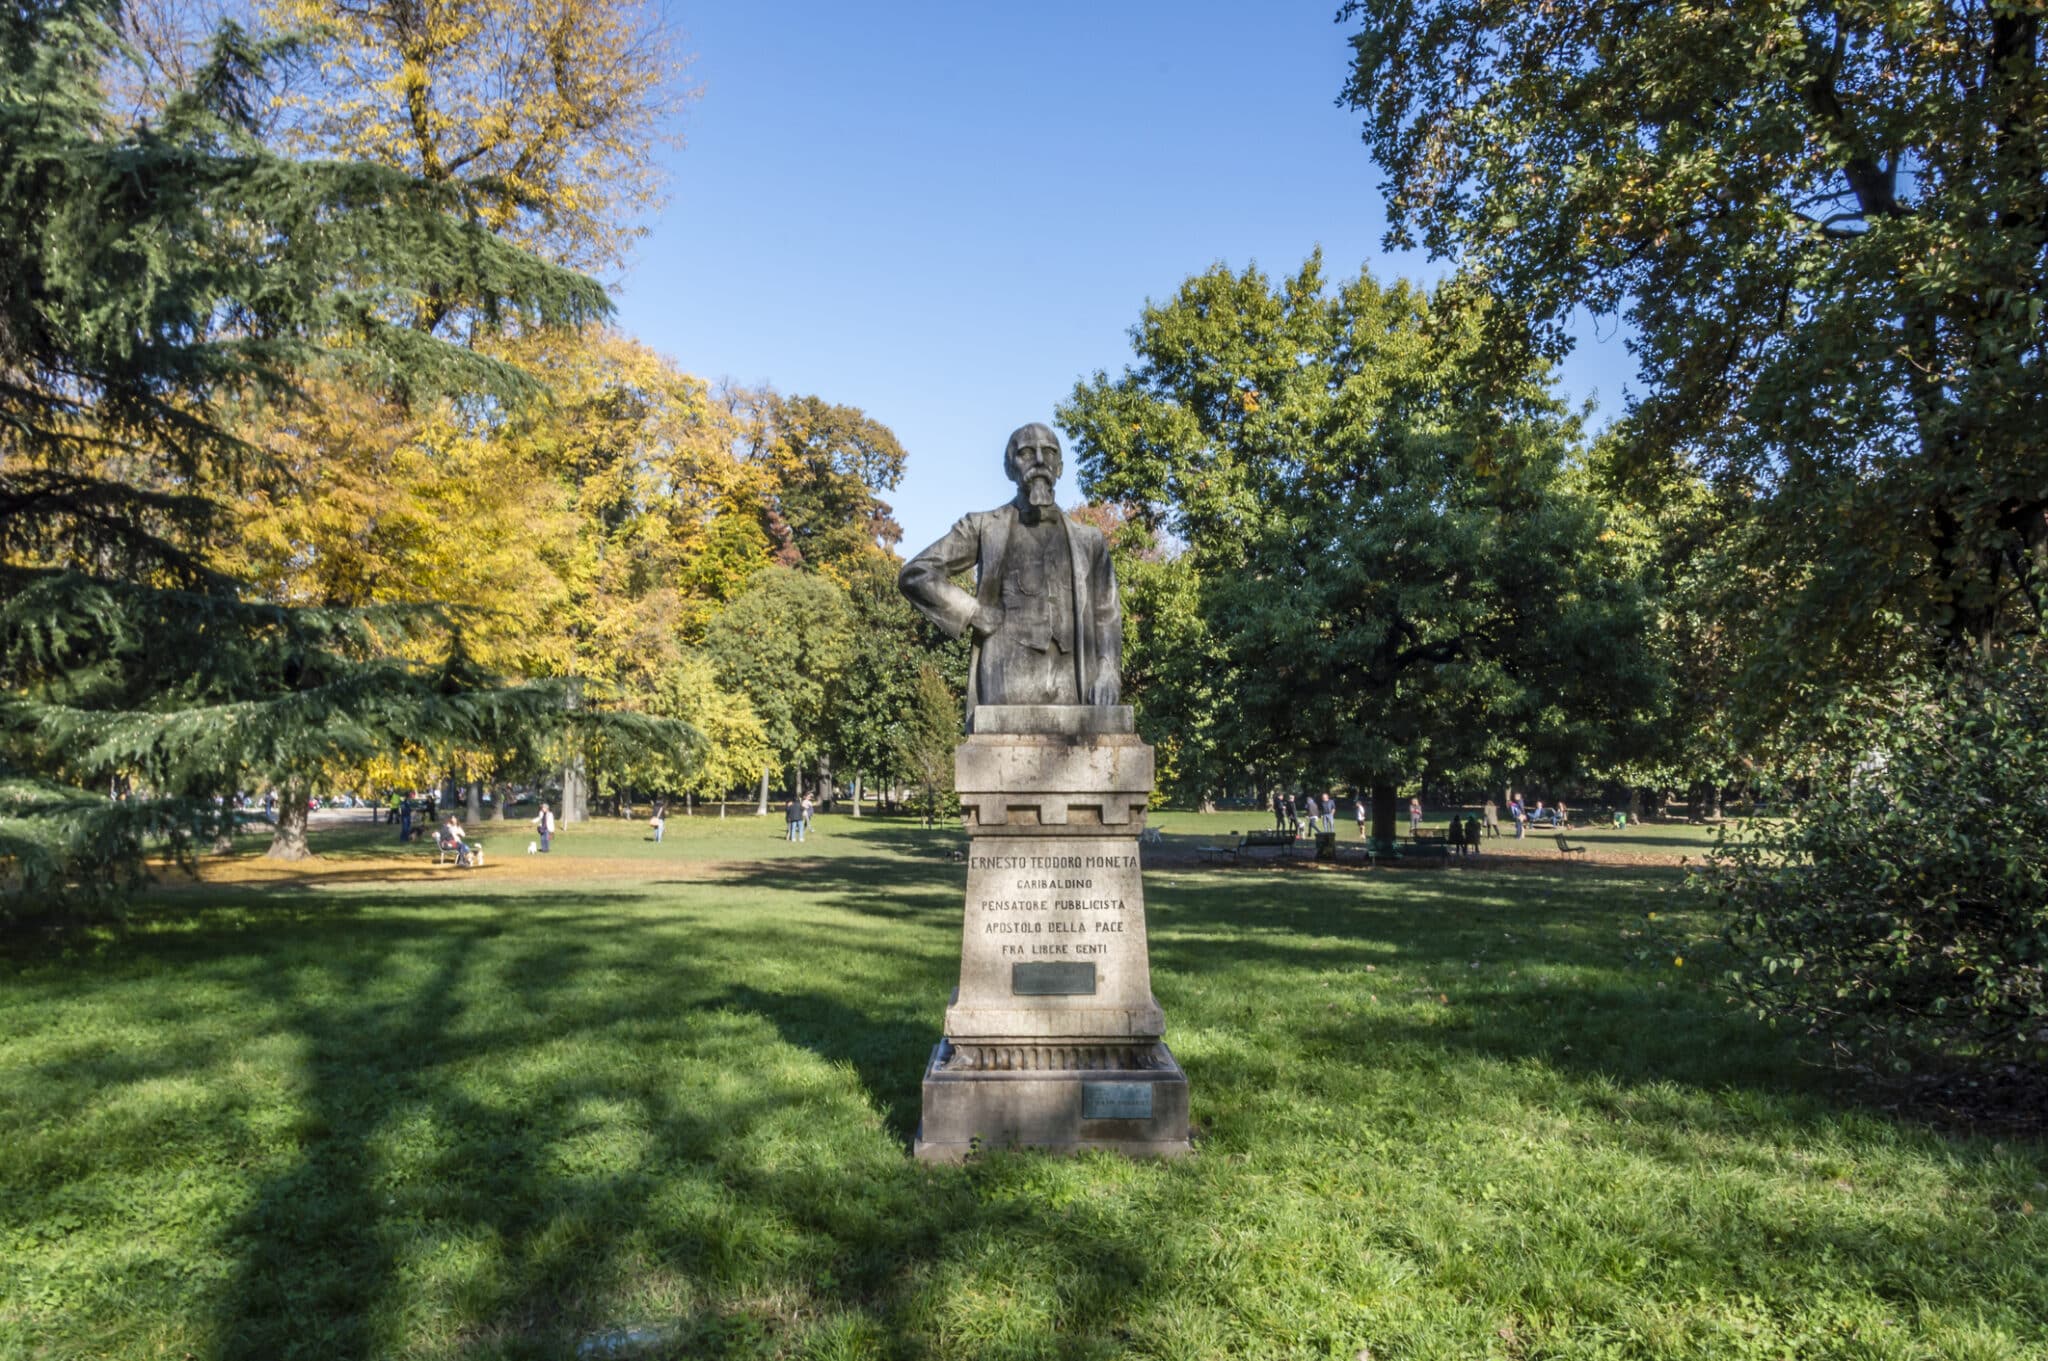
(927, 579)
(1106, 685)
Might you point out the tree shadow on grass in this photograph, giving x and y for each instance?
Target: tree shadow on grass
(524, 1118)
(536, 1176)
(874, 1042)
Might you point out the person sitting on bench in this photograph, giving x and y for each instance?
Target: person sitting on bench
(1455, 836)
(450, 839)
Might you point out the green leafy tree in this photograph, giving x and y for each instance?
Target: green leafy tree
(1824, 224)
(927, 737)
(1693, 542)
(1391, 574)
(831, 465)
(878, 690)
(784, 642)
(734, 748)
(1902, 913)
(160, 275)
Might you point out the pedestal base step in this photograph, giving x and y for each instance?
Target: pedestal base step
(1138, 1111)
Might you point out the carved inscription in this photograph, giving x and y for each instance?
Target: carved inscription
(1049, 904)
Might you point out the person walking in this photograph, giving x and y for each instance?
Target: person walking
(1358, 811)
(1492, 811)
(544, 826)
(1521, 817)
(1415, 816)
(1293, 819)
(1279, 812)
(810, 805)
(658, 821)
(793, 818)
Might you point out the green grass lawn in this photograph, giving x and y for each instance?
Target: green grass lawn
(655, 1101)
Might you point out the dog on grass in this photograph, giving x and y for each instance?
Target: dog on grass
(533, 848)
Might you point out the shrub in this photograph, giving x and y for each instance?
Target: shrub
(1902, 912)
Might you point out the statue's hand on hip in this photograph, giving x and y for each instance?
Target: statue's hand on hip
(987, 619)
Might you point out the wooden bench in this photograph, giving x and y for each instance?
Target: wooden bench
(1570, 850)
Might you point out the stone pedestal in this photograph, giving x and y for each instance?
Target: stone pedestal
(1053, 1039)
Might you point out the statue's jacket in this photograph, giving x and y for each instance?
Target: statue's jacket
(980, 541)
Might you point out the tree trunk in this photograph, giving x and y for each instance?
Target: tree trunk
(475, 797)
(1635, 804)
(827, 790)
(575, 792)
(1383, 814)
(288, 842)
(1208, 804)
(1714, 800)
(762, 811)
(856, 793)
(501, 794)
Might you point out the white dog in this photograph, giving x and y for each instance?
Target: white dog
(533, 848)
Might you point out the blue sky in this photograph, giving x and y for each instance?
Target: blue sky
(949, 214)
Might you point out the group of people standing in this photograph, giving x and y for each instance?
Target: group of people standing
(1315, 813)
(796, 816)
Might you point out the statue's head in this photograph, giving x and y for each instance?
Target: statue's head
(1032, 460)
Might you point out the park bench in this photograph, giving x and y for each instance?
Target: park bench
(1354, 852)
(1429, 848)
(1570, 850)
(445, 846)
(1278, 838)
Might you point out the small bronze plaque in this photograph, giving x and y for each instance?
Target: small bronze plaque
(1052, 979)
(1116, 1101)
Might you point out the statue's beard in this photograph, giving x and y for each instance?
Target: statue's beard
(1038, 487)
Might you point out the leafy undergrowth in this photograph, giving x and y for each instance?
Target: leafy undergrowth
(655, 1101)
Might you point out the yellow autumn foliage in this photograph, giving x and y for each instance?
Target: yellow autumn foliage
(551, 111)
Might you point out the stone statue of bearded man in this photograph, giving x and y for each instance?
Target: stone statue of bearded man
(1044, 616)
